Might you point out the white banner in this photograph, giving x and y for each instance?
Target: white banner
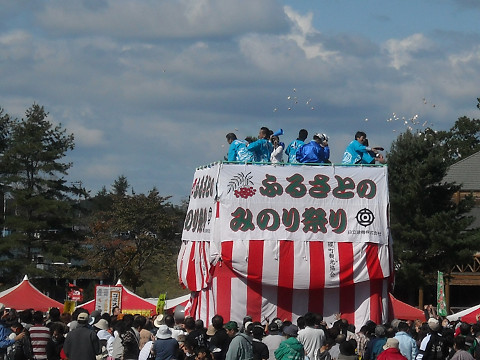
(299, 203)
(107, 297)
(199, 221)
(303, 203)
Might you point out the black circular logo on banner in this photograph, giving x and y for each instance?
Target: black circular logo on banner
(365, 217)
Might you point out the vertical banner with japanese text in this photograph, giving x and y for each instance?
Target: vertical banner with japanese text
(441, 304)
(107, 297)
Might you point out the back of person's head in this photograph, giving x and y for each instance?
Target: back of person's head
(469, 340)
(257, 332)
(76, 312)
(66, 317)
(403, 326)
(246, 318)
(128, 320)
(394, 323)
(169, 321)
(309, 319)
(301, 322)
(231, 136)
(465, 329)
(190, 344)
(360, 133)
(217, 322)
(302, 134)
(59, 328)
(139, 322)
(199, 324)
(273, 327)
(347, 348)
(370, 327)
(106, 316)
(189, 323)
(380, 331)
(340, 338)
(318, 319)
(285, 324)
(26, 316)
(38, 317)
(459, 343)
(54, 314)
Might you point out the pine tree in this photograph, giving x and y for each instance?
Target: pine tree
(39, 208)
(428, 228)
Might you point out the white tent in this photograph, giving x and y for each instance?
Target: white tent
(171, 303)
(458, 315)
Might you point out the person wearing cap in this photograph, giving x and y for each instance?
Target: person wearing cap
(407, 345)
(291, 149)
(260, 350)
(82, 343)
(164, 347)
(391, 351)
(262, 148)
(311, 337)
(238, 149)
(273, 339)
(433, 346)
(105, 338)
(240, 347)
(290, 348)
(357, 149)
(316, 151)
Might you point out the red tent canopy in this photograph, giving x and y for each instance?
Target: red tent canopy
(25, 296)
(402, 311)
(471, 317)
(130, 301)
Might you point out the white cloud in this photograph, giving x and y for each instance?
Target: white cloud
(84, 136)
(151, 19)
(302, 29)
(402, 51)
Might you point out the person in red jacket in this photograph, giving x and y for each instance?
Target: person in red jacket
(391, 351)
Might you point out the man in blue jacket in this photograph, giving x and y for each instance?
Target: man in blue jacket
(238, 149)
(316, 151)
(292, 148)
(262, 148)
(357, 152)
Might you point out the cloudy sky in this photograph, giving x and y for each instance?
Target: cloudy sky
(150, 88)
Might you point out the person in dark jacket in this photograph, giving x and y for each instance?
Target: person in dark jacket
(82, 343)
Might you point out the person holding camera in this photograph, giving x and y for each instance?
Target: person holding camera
(358, 151)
